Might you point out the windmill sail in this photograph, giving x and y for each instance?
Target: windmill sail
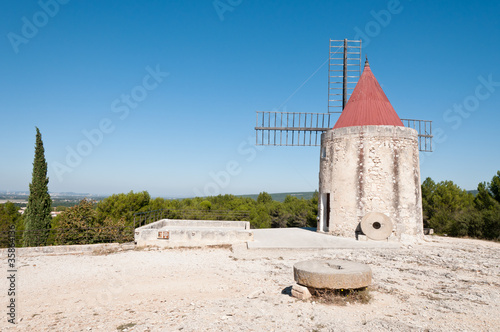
(344, 71)
(304, 129)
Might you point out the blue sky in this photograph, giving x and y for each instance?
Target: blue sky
(161, 95)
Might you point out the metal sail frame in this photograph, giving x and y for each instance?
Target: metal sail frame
(344, 71)
(305, 129)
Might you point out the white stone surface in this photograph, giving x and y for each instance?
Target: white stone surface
(443, 285)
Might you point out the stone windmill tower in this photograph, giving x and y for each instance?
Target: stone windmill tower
(369, 178)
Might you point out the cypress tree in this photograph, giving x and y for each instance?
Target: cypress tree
(37, 217)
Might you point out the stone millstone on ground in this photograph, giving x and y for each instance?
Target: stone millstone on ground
(332, 274)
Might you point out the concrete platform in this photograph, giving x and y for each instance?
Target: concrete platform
(168, 233)
(308, 238)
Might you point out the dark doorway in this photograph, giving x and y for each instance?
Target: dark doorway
(327, 209)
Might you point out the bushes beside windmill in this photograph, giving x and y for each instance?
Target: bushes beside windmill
(453, 211)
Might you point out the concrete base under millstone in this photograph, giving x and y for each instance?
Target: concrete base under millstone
(301, 292)
(332, 274)
(168, 233)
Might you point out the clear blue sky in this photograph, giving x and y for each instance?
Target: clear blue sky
(198, 71)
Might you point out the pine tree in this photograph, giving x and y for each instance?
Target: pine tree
(37, 216)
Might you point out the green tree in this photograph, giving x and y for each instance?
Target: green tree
(443, 203)
(494, 187)
(279, 216)
(488, 204)
(428, 188)
(315, 198)
(80, 225)
(74, 223)
(206, 205)
(301, 212)
(468, 222)
(37, 216)
(491, 222)
(123, 206)
(264, 198)
(449, 209)
(9, 216)
(259, 218)
(157, 204)
(484, 199)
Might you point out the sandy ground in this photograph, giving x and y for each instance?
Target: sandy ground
(443, 285)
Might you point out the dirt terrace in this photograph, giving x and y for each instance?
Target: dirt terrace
(443, 285)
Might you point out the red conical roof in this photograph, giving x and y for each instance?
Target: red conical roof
(368, 105)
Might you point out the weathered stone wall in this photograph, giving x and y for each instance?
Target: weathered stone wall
(371, 169)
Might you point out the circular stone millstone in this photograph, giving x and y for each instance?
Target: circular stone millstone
(332, 274)
(376, 226)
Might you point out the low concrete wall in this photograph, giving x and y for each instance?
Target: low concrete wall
(193, 233)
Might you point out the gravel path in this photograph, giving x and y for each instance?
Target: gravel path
(443, 285)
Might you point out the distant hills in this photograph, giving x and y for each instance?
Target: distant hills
(280, 197)
(26, 193)
(21, 196)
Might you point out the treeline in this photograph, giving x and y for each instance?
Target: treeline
(264, 212)
(447, 209)
(450, 210)
(112, 219)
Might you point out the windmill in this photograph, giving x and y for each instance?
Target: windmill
(369, 179)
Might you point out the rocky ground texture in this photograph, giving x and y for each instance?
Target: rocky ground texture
(444, 284)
